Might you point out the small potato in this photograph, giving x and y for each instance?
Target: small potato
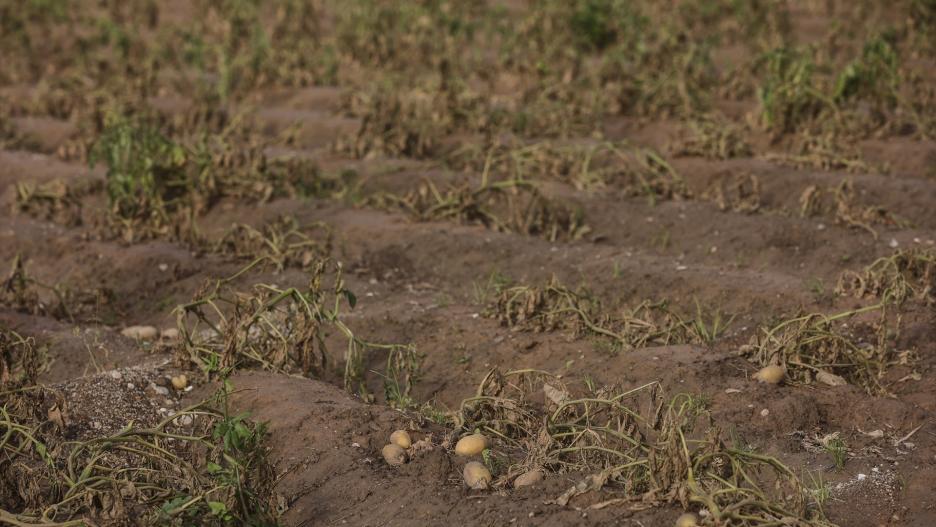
(401, 438)
(477, 476)
(772, 374)
(180, 382)
(471, 445)
(393, 454)
(528, 478)
(687, 520)
(140, 332)
(170, 334)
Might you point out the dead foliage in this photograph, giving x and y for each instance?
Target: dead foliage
(908, 274)
(158, 184)
(54, 200)
(201, 465)
(504, 206)
(585, 166)
(824, 152)
(736, 193)
(282, 243)
(283, 330)
(825, 349)
(557, 307)
(714, 138)
(22, 292)
(397, 120)
(841, 204)
(640, 447)
(21, 360)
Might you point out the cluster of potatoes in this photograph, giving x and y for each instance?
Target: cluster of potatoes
(476, 474)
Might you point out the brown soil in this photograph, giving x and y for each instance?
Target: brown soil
(416, 282)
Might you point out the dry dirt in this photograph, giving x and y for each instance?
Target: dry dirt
(418, 282)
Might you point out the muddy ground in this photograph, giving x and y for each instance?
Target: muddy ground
(430, 283)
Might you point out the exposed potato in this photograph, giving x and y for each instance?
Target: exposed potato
(830, 378)
(477, 476)
(528, 478)
(772, 374)
(169, 334)
(394, 454)
(401, 438)
(180, 382)
(471, 445)
(687, 520)
(140, 332)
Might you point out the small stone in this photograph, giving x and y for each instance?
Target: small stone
(830, 379)
(765, 412)
(160, 390)
(528, 478)
(114, 374)
(184, 420)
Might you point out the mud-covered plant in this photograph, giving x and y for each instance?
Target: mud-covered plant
(54, 200)
(21, 360)
(824, 151)
(282, 243)
(821, 348)
(650, 449)
(905, 275)
(842, 204)
(23, 292)
(282, 330)
(17, 291)
(201, 465)
(736, 192)
(505, 206)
